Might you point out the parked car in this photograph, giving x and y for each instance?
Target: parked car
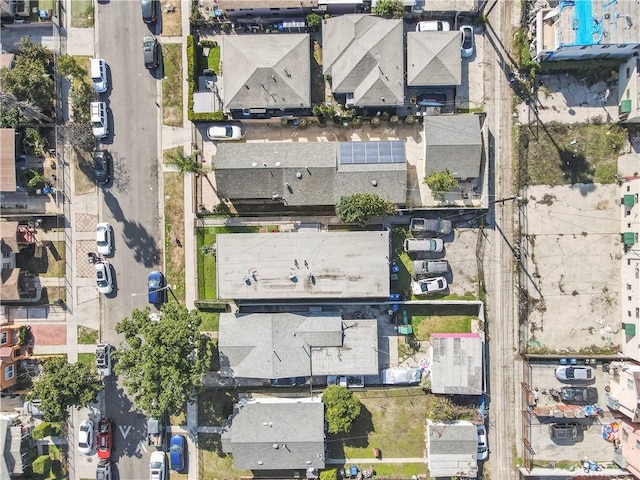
(433, 26)
(578, 395)
(176, 452)
(431, 99)
(157, 466)
(467, 44)
(430, 268)
(288, 382)
(156, 288)
(573, 373)
(348, 381)
(102, 166)
(85, 437)
(483, 449)
(104, 439)
(429, 286)
(430, 226)
(99, 119)
(103, 238)
(103, 470)
(149, 11)
(224, 132)
(103, 359)
(423, 245)
(150, 52)
(103, 277)
(99, 75)
(568, 432)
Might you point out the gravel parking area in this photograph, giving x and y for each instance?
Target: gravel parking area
(572, 267)
(593, 446)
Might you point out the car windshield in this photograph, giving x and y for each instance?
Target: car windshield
(176, 448)
(571, 373)
(467, 39)
(101, 279)
(96, 124)
(154, 282)
(83, 445)
(432, 245)
(228, 131)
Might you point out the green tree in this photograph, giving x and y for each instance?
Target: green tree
(36, 179)
(63, 385)
(389, 9)
(163, 362)
(69, 67)
(441, 183)
(360, 207)
(341, 408)
(31, 78)
(185, 163)
(34, 143)
(314, 21)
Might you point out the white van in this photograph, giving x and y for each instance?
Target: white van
(99, 75)
(99, 120)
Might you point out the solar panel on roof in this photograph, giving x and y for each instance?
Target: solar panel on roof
(359, 153)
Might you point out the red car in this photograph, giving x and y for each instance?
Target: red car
(105, 438)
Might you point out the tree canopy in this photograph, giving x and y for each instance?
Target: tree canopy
(185, 164)
(360, 207)
(341, 408)
(163, 362)
(63, 385)
(389, 8)
(441, 183)
(31, 78)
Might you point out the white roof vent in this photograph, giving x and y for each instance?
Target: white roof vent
(374, 183)
(254, 164)
(275, 446)
(278, 164)
(298, 175)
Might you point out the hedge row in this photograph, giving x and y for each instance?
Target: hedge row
(192, 76)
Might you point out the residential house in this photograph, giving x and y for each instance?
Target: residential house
(457, 363)
(364, 55)
(300, 175)
(630, 267)
(276, 434)
(433, 59)
(303, 265)
(452, 449)
(283, 345)
(16, 284)
(627, 454)
(587, 29)
(454, 143)
(14, 457)
(629, 91)
(266, 75)
(10, 354)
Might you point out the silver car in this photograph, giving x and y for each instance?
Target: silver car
(103, 238)
(575, 373)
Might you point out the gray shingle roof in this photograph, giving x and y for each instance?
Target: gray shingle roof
(277, 436)
(433, 58)
(303, 174)
(266, 71)
(453, 142)
(364, 55)
(452, 449)
(277, 345)
(456, 366)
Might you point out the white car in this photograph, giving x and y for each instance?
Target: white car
(429, 286)
(103, 238)
(467, 44)
(483, 450)
(104, 281)
(157, 466)
(571, 373)
(99, 119)
(224, 132)
(433, 26)
(85, 437)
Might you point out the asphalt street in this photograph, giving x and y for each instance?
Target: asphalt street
(130, 204)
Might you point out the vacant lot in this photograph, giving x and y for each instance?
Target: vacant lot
(171, 19)
(561, 154)
(172, 84)
(174, 232)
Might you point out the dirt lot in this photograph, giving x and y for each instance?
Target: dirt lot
(572, 267)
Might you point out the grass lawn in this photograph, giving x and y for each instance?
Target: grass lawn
(210, 321)
(213, 60)
(88, 359)
(565, 154)
(425, 325)
(46, 4)
(212, 463)
(87, 336)
(207, 261)
(391, 420)
(174, 228)
(82, 13)
(172, 84)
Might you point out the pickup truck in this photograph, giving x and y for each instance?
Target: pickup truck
(155, 432)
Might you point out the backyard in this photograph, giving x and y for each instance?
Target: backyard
(51, 263)
(563, 154)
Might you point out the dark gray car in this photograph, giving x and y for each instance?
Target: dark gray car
(428, 226)
(150, 51)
